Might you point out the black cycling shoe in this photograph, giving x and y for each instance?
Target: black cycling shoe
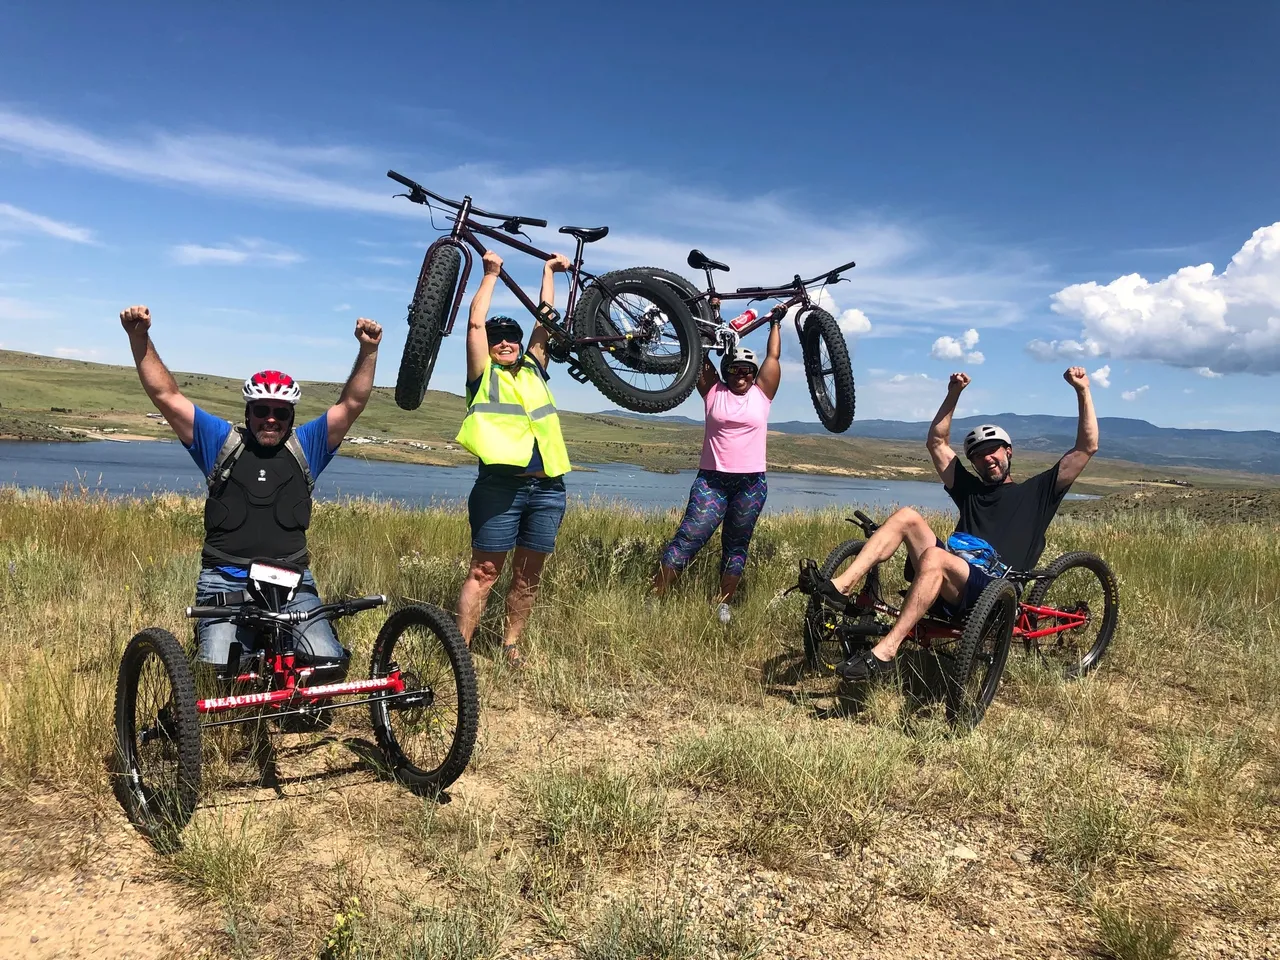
(864, 666)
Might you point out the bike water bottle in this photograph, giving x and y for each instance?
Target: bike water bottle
(740, 322)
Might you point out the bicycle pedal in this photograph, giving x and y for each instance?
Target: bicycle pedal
(576, 373)
(547, 314)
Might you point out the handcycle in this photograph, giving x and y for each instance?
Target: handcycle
(1067, 619)
(610, 322)
(421, 695)
(826, 355)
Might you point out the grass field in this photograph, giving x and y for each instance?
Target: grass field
(94, 399)
(656, 785)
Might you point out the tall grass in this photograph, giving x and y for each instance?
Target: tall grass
(640, 738)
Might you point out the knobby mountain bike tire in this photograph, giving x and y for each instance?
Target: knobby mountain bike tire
(428, 314)
(426, 741)
(981, 655)
(823, 645)
(156, 765)
(645, 361)
(661, 324)
(830, 378)
(1076, 582)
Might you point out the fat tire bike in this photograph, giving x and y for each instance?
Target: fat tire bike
(828, 372)
(420, 693)
(612, 322)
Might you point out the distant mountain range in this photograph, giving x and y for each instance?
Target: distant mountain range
(1255, 451)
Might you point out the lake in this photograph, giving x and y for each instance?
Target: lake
(141, 468)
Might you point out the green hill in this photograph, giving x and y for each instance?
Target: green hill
(53, 398)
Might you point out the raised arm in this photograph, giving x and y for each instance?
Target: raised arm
(477, 340)
(538, 338)
(770, 374)
(1074, 460)
(155, 376)
(707, 376)
(355, 393)
(939, 441)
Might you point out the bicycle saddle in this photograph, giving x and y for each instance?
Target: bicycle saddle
(586, 234)
(700, 261)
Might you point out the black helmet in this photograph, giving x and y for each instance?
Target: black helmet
(506, 325)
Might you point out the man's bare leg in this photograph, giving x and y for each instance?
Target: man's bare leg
(905, 526)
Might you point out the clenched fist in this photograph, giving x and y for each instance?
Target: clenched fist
(958, 382)
(136, 321)
(368, 333)
(1077, 377)
(492, 263)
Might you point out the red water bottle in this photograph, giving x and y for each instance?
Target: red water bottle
(739, 323)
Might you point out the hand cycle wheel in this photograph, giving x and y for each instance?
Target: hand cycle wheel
(637, 357)
(823, 645)
(156, 768)
(982, 654)
(827, 370)
(427, 316)
(658, 367)
(1075, 583)
(427, 734)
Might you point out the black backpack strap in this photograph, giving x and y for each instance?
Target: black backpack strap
(295, 448)
(225, 461)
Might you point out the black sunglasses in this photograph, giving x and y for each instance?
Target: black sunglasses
(503, 336)
(262, 411)
(741, 370)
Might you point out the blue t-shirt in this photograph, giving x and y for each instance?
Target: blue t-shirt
(210, 433)
(535, 461)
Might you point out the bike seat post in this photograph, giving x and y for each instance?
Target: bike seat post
(711, 283)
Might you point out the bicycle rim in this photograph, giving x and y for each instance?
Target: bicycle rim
(1077, 590)
(425, 727)
(654, 359)
(151, 750)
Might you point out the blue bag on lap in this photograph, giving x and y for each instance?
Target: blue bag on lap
(977, 553)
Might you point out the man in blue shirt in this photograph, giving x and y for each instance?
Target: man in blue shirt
(260, 477)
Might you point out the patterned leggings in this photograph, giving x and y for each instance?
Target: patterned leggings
(736, 499)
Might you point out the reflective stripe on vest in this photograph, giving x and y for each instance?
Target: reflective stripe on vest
(499, 431)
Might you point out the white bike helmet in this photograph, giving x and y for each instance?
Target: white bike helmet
(738, 355)
(985, 433)
(272, 385)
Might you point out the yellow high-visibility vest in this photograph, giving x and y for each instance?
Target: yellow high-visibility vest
(510, 411)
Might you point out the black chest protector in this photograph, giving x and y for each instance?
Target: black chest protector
(261, 508)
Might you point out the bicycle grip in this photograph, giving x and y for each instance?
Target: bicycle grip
(863, 517)
(206, 613)
(533, 222)
(400, 178)
(366, 603)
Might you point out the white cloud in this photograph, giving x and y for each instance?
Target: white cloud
(1135, 394)
(952, 348)
(75, 353)
(342, 308)
(853, 322)
(1227, 322)
(1207, 373)
(245, 251)
(1102, 376)
(22, 311)
(16, 218)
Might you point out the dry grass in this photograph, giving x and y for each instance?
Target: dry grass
(658, 785)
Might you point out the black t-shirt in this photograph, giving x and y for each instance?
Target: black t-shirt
(1012, 517)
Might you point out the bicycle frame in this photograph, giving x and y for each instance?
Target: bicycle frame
(796, 291)
(465, 234)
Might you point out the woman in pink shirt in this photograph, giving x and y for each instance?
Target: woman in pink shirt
(730, 487)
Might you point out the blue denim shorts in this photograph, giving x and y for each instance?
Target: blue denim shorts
(315, 642)
(508, 512)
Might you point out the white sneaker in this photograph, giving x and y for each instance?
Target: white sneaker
(724, 614)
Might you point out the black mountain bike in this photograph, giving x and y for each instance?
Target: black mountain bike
(826, 356)
(612, 323)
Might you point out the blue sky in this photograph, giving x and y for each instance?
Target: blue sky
(1027, 187)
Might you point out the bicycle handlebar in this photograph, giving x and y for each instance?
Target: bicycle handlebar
(418, 194)
(830, 276)
(250, 612)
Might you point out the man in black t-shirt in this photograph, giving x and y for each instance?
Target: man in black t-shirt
(1012, 517)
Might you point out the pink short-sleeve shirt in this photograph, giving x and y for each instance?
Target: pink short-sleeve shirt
(736, 428)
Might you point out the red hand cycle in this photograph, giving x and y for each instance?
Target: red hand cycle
(1068, 618)
(420, 693)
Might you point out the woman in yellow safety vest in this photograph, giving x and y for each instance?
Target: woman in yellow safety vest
(512, 426)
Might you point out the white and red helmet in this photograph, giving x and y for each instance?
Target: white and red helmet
(272, 385)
